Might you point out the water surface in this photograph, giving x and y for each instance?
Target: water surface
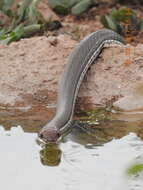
(85, 159)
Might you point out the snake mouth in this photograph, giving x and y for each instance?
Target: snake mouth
(53, 135)
(49, 135)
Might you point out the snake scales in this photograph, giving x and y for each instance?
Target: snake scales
(84, 54)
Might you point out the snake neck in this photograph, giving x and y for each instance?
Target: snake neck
(85, 53)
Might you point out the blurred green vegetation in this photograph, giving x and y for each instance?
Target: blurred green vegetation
(20, 21)
(22, 18)
(123, 21)
(76, 7)
(135, 169)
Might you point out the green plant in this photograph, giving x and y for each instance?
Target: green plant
(76, 7)
(123, 21)
(19, 32)
(24, 20)
(135, 169)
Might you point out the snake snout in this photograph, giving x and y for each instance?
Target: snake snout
(49, 135)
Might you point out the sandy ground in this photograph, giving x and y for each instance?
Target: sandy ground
(30, 70)
(30, 66)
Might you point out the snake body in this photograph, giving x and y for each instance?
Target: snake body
(84, 54)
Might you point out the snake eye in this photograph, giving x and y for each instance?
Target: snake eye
(40, 135)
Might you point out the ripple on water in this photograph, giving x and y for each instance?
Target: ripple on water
(76, 167)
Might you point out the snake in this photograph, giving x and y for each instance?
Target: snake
(83, 56)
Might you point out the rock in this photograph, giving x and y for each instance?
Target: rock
(53, 40)
(129, 103)
(132, 102)
(30, 70)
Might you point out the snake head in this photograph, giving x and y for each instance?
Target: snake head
(49, 134)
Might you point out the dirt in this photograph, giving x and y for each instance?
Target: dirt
(30, 70)
(26, 67)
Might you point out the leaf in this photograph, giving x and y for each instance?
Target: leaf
(81, 7)
(122, 15)
(1, 4)
(108, 22)
(73, 2)
(31, 29)
(135, 169)
(113, 12)
(5, 41)
(60, 6)
(63, 3)
(13, 36)
(141, 24)
(54, 3)
(2, 34)
(33, 13)
(61, 10)
(66, 3)
(18, 32)
(7, 5)
(22, 10)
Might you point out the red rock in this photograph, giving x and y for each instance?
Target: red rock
(30, 69)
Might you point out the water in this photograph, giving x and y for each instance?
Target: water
(85, 159)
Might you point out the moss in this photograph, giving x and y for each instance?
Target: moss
(135, 169)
